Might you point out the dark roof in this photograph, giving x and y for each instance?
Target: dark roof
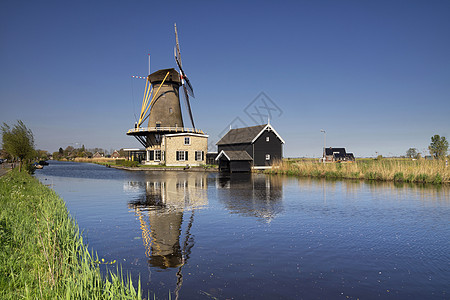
(241, 135)
(235, 155)
(331, 151)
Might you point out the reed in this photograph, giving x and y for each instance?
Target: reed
(421, 171)
(42, 252)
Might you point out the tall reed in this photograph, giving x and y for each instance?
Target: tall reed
(424, 171)
(42, 253)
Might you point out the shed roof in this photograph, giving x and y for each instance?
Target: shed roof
(234, 155)
(241, 135)
(246, 135)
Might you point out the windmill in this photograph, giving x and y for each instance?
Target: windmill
(161, 103)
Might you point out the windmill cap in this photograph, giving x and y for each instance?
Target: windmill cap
(159, 75)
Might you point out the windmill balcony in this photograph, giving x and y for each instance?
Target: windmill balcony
(144, 130)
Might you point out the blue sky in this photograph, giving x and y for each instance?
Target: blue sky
(374, 75)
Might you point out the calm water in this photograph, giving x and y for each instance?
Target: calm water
(206, 236)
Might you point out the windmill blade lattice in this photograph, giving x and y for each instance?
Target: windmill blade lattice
(187, 86)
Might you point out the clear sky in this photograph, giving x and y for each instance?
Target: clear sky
(375, 75)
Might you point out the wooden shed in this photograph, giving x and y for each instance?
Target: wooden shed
(234, 161)
(262, 144)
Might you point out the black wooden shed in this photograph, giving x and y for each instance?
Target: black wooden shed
(262, 145)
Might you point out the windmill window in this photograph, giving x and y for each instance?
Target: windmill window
(199, 155)
(267, 156)
(182, 155)
(187, 140)
(157, 155)
(170, 110)
(267, 138)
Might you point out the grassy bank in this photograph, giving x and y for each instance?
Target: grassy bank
(42, 254)
(420, 171)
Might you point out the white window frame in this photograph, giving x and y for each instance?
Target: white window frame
(188, 139)
(151, 155)
(157, 153)
(181, 155)
(267, 138)
(199, 155)
(267, 156)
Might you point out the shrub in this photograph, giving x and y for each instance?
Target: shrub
(30, 168)
(316, 173)
(399, 176)
(370, 175)
(437, 179)
(410, 178)
(422, 178)
(127, 163)
(355, 175)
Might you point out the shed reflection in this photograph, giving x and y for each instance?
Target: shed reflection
(256, 195)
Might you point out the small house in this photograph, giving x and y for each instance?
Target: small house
(178, 149)
(115, 154)
(98, 155)
(338, 155)
(256, 147)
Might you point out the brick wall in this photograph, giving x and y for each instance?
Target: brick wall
(174, 143)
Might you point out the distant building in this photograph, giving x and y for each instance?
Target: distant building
(256, 147)
(98, 155)
(338, 155)
(115, 154)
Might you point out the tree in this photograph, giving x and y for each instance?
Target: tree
(42, 154)
(18, 141)
(438, 146)
(68, 151)
(412, 153)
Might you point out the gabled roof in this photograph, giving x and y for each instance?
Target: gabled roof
(234, 155)
(331, 151)
(246, 135)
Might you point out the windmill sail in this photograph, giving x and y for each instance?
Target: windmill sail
(188, 105)
(187, 87)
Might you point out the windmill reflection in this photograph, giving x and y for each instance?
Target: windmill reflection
(169, 198)
(256, 195)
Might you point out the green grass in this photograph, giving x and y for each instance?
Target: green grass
(42, 253)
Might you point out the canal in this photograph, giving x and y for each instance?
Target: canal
(201, 235)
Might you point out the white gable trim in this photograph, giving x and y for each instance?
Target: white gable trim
(220, 155)
(268, 126)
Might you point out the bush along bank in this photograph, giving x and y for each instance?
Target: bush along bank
(42, 253)
(420, 171)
